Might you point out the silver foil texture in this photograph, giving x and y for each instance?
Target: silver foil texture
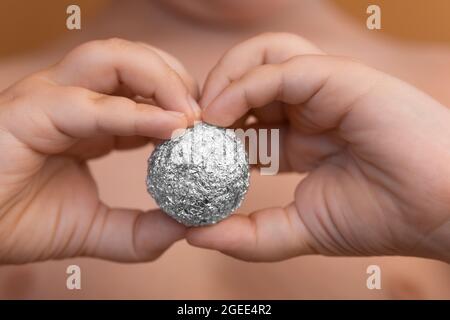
(200, 176)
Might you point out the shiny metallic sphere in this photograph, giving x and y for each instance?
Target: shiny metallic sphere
(199, 177)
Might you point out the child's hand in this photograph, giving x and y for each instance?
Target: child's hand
(56, 119)
(377, 151)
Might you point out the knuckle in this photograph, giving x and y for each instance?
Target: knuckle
(278, 35)
(171, 66)
(270, 34)
(88, 48)
(90, 51)
(26, 86)
(116, 42)
(96, 49)
(291, 40)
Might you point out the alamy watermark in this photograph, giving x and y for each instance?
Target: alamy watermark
(73, 281)
(373, 21)
(262, 146)
(374, 279)
(73, 21)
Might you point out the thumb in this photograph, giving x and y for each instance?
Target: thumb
(267, 235)
(127, 235)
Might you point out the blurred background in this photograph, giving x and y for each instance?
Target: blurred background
(32, 37)
(28, 24)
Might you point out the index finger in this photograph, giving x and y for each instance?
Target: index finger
(266, 48)
(104, 65)
(321, 89)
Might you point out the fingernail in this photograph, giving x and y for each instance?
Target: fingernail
(194, 106)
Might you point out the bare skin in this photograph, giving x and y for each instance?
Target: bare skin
(74, 117)
(357, 132)
(212, 47)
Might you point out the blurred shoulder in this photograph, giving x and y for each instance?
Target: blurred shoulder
(426, 66)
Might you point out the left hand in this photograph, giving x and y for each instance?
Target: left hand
(377, 153)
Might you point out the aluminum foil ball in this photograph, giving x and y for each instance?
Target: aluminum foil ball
(199, 177)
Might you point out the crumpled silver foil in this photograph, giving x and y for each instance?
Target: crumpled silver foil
(199, 177)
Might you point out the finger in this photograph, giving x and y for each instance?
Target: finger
(178, 67)
(126, 143)
(101, 145)
(279, 148)
(267, 235)
(266, 147)
(76, 113)
(105, 65)
(321, 88)
(272, 113)
(130, 235)
(267, 48)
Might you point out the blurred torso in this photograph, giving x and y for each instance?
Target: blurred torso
(186, 272)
